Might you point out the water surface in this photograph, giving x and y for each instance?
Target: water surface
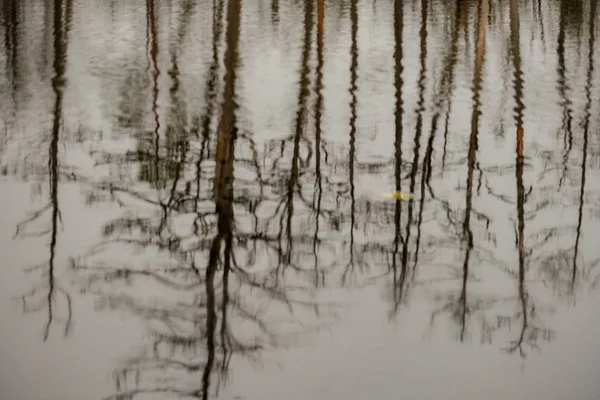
(191, 199)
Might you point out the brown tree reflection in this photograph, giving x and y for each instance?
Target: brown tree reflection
(460, 307)
(318, 189)
(530, 331)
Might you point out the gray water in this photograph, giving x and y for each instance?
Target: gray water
(193, 205)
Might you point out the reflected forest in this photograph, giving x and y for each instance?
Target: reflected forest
(233, 154)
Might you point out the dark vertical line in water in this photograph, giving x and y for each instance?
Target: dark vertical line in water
(353, 103)
(149, 66)
(299, 123)
(515, 38)
(11, 43)
(450, 71)
(563, 89)
(318, 117)
(427, 167)
(586, 127)
(153, 48)
(419, 131)
(228, 125)
(541, 20)
(69, 25)
(211, 313)
(61, 29)
(228, 255)
(398, 283)
(53, 169)
(223, 193)
(480, 49)
(419, 128)
(519, 110)
(275, 11)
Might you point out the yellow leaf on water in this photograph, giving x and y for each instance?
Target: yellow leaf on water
(397, 195)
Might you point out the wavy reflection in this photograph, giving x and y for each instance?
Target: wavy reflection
(228, 227)
(468, 306)
(417, 145)
(563, 89)
(586, 131)
(10, 19)
(218, 273)
(399, 274)
(529, 333)
(318, 193)
(49, 292)
(352, 136)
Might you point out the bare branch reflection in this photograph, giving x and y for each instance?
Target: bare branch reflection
(49, 292)
(195, 324)
(240, 168)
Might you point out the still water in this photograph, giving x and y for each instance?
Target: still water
(191, 199)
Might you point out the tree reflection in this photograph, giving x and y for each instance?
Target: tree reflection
(559, 259)
(318, 193)
(399, 275)
(585, 149)
(352, 136)
(460, 307)
(530, 331)
(47, 294)
(225, 240)
(196, 323)
(567, 118)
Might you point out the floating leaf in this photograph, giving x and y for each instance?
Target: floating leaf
(397, 195)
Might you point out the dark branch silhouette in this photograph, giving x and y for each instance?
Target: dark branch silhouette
(45, 294)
